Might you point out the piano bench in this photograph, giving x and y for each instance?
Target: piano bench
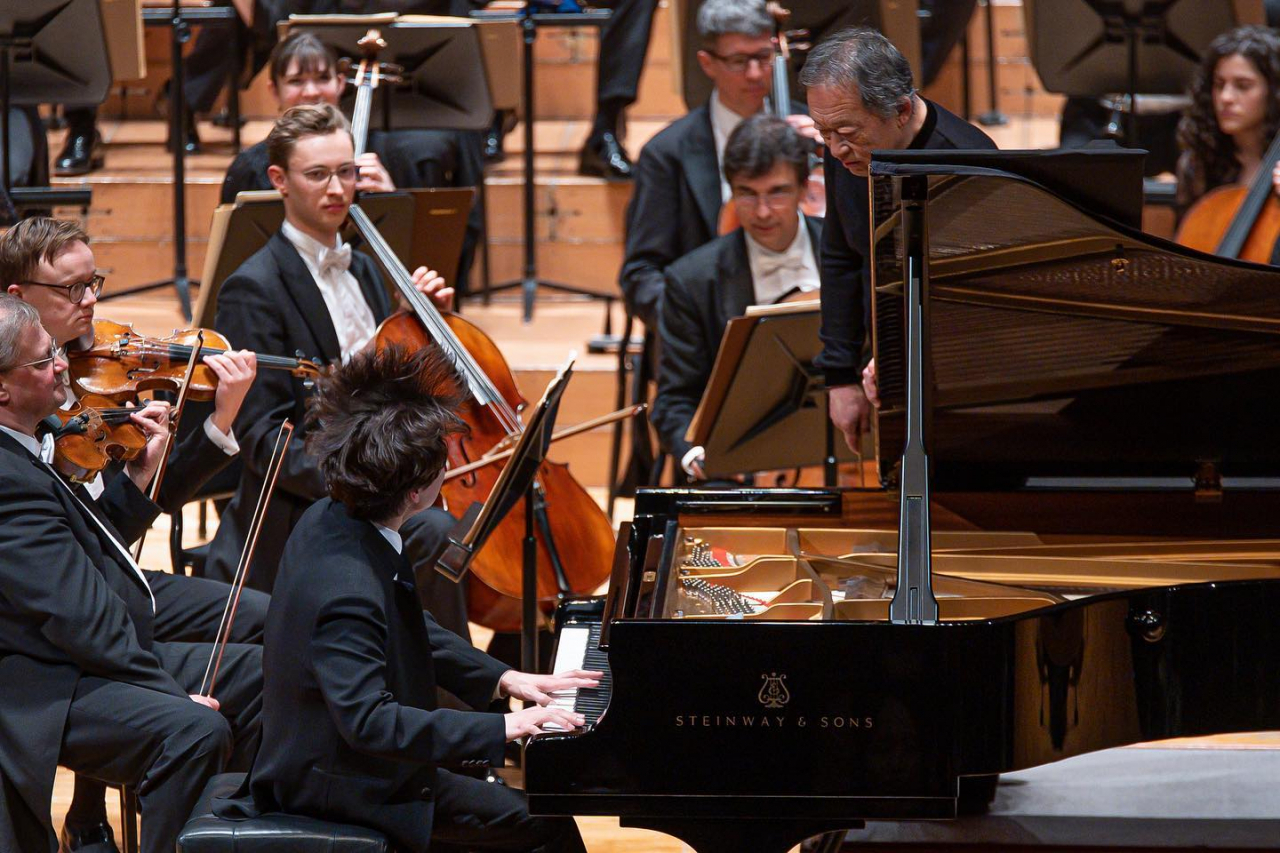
(269, 833)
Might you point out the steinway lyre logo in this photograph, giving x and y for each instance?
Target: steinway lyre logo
(773, 693)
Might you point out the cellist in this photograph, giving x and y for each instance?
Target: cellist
(307, 291)
(1234, 113)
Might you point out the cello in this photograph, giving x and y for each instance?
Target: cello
(575, 542)
(1237, 221)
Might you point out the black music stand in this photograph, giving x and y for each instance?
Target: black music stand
(529, 282)
(765, 406)
(51, 51)
(516, 482)
(444, 84)
(1151, 47)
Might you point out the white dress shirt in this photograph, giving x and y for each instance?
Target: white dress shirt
(44, 453)
(352, 317)
(775, 274)
(723, 122)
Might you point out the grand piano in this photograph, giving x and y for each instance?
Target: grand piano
(1073, 549)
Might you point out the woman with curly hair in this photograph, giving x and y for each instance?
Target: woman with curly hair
(1234, 114)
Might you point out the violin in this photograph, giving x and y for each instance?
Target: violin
(575, 542)
(814, 202)
(91, 434)
(121, 363)
(1237, 221)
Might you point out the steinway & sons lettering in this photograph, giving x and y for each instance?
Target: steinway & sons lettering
(773, 721)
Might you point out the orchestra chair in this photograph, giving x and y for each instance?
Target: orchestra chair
(269, 833)
(644, 464)
(128, 820)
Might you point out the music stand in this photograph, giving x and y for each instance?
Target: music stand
(765, 406)
(516, 481)
(444, 84)
(244, 227)
(1090, 48)
(51, 51)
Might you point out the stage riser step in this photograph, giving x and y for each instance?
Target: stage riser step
(123, 209)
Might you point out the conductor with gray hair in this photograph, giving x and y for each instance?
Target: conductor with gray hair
(862, 98)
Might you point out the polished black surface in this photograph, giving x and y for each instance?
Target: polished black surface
(880, 720)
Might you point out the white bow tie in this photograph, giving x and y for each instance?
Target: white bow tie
(786, 263)
(332, 260)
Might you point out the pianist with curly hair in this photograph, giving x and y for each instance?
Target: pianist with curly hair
(351, 731)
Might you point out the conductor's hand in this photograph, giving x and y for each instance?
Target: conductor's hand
(851, 413)
(531, 720)
(529, 687)
(207, 701)
(235, 370)
(804, 126)
(373, 177)
(432, 285)
(153, 420)
(869, 386)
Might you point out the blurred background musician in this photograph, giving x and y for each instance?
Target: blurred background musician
(624, 40)
(307, 291)
(679, 188)
(1234, 113)
(304, 71)
(772, 256)
(862, 98)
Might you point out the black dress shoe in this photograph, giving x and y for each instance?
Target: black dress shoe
(95, 839)
(604, 157)
(82, 153)
(192, 141)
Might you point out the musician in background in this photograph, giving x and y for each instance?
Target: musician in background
(307, 291)
(1234, 114)
(303, 70)
(624, 40)
(679, 188)
(48, 264)
(772, 256)
(862, 98)
(352, 730)
(87, 684)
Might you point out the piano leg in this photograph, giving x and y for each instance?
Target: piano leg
(735, 836)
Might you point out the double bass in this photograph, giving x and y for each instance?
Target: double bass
(575, 541)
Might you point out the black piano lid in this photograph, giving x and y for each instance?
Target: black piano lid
(1066, 347)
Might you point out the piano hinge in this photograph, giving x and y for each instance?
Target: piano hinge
(1208, 482)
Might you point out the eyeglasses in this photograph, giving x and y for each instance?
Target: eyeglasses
(778, 199)
(75, 290)
(54, 354)
(319, 176)
(738, 62)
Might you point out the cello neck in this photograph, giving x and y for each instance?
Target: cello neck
(1259, 191)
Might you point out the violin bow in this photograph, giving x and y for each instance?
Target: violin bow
(174, 416)
(246, 557)
(567, 432)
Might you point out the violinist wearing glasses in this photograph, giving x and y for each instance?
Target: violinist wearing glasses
(307, 291)
(48, 264)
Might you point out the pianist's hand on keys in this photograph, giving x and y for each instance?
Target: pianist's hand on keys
(530, 687)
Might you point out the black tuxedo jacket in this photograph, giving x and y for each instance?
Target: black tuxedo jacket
(70, 605)
(674, 209)
(350, 727)
(272, 304)
(704, 291)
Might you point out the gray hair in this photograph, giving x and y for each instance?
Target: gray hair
(16, 317)
(723, 17)
(861, 58)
